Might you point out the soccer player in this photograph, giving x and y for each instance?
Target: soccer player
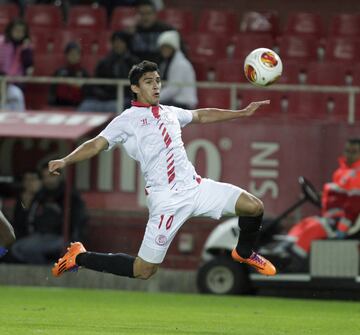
(7, 235)
(151, 134)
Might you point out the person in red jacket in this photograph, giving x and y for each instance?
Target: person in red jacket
(340, 206)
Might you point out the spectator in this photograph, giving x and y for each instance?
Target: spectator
(46, 216)
(66, 94)
(116, 65)
(16, 59)
(14, 100)
(340, 210)
(176, 68)
(16, 55)
(31, 184)
(147, 31)
(111, 5)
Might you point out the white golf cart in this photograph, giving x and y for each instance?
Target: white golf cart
(219, 274)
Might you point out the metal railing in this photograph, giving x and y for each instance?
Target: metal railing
(233, 87)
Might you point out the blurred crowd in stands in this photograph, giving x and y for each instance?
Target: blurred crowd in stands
(38, 218)
(19, 53)
(102, 39)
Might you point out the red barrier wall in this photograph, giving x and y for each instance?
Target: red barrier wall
(263, 156)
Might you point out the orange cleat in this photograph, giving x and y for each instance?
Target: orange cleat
(259, 263)
(67, 262)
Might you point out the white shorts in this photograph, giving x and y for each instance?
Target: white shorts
(168, 210)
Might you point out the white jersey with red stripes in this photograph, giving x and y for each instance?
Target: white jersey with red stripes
(152, 136)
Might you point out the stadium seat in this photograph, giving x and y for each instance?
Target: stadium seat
(243, 44)
(45, 41)
(45, 65)
(355, 75)
(316, 106)
(181, 19)
(345, 25)
(36, 95)
(299, 47)
(294, 72)
(260, 22)
(230, 71)
(214, 97)
(205, 47)
(304, 23)
(123, 18)
(43, 17)
(342, 49)
(91, 44)
(201, 70)
(222, 22)
(89, 62)
(87, 18)
(327, 73)
(8, 12)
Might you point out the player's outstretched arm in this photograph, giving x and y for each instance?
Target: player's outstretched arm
(7, 235)
(85, 151)
(208, 115)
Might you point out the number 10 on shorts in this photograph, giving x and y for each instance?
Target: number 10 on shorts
(169, 221)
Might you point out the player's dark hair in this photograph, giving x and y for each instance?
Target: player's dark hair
(138, 70)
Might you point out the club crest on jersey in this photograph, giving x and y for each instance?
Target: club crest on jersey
(161, 239)
(144, 122)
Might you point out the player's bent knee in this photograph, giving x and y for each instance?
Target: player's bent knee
(148, 272)
(144, 270)
(249, 205)
(258, 207)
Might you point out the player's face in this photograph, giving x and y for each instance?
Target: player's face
(148, 90)
(352, 153)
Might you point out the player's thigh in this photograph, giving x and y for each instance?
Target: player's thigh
(215, 199)
(167, 215)
(159, 233)
(248, 205)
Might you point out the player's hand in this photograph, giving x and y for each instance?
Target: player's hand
(56, 165)
(253, 106)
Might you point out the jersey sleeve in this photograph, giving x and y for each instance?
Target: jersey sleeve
(115, 132)
(184, 116)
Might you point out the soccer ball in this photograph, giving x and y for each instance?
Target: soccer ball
(262, 67)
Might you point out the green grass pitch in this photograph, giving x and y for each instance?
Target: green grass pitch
(72, 311)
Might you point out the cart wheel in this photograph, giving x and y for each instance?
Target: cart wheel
(223, 276)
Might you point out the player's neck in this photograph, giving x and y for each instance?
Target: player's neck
(138, 103)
